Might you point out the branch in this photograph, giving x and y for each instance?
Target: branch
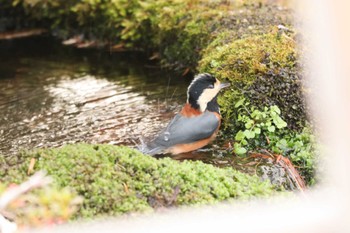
(37, 180)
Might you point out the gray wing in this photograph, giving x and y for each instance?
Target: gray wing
(184, 130)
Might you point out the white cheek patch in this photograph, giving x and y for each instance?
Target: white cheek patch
(207, 95)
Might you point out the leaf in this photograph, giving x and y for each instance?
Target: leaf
(244, 142)
(239, 136)
(298, 144)
(271, 128)
(240, 150)
(239, 103)
(275, 109)
(282, 144)
(249, 124)
(279, 122)
(249, 134)
(257, 130)
(256, 114)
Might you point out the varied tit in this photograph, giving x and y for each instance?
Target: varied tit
(196, 124)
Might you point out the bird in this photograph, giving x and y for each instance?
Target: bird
(196, 125)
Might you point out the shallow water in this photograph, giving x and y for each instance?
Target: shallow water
(52, 95)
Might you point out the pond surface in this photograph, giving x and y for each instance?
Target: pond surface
(52, 95)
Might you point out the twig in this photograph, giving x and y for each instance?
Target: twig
(293, 173)
(37, 180)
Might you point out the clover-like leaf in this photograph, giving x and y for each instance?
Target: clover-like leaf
(239, 103)
(240, 150)
(249, 134)
(271, 128)
(239, 136)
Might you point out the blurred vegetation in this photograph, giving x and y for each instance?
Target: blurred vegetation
(44, 206)
(114, 180)
(177, 30)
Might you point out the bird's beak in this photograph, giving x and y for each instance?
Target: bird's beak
(223, 85)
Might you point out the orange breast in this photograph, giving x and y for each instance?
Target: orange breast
(188, 111)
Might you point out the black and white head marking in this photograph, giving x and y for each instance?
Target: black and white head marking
(202, 90)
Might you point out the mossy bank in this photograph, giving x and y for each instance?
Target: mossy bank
(115, 180)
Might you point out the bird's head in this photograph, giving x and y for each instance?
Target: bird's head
(202, 90)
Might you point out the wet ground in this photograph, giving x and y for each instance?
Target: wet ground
(52, 95)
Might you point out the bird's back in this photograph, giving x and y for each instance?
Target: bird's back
(183, 131)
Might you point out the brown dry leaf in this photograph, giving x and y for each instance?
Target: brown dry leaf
(72, 41)
(117, 47)
(186, 71)
(21, 34)
(154, 56)
(126, 189)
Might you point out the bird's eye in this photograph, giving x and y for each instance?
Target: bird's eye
(211, 86)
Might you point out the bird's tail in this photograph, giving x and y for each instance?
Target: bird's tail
(149, 148)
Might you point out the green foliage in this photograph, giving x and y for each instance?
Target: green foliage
(178, 30)
(256, 125)
(265, 128)
(301, 148)
(114, 180)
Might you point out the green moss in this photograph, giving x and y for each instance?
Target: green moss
(263, 69)
(114, 180)
(245, 59)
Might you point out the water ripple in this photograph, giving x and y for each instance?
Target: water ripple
(48, 104)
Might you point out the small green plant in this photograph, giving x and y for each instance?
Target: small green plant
(256, 124)
(301, 148)
(265, 129)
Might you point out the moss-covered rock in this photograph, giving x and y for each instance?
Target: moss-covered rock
(263, 69)
(114, 180)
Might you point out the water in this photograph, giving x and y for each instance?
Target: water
(52, 95)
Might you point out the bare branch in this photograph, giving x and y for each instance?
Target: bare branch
(37, 180)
